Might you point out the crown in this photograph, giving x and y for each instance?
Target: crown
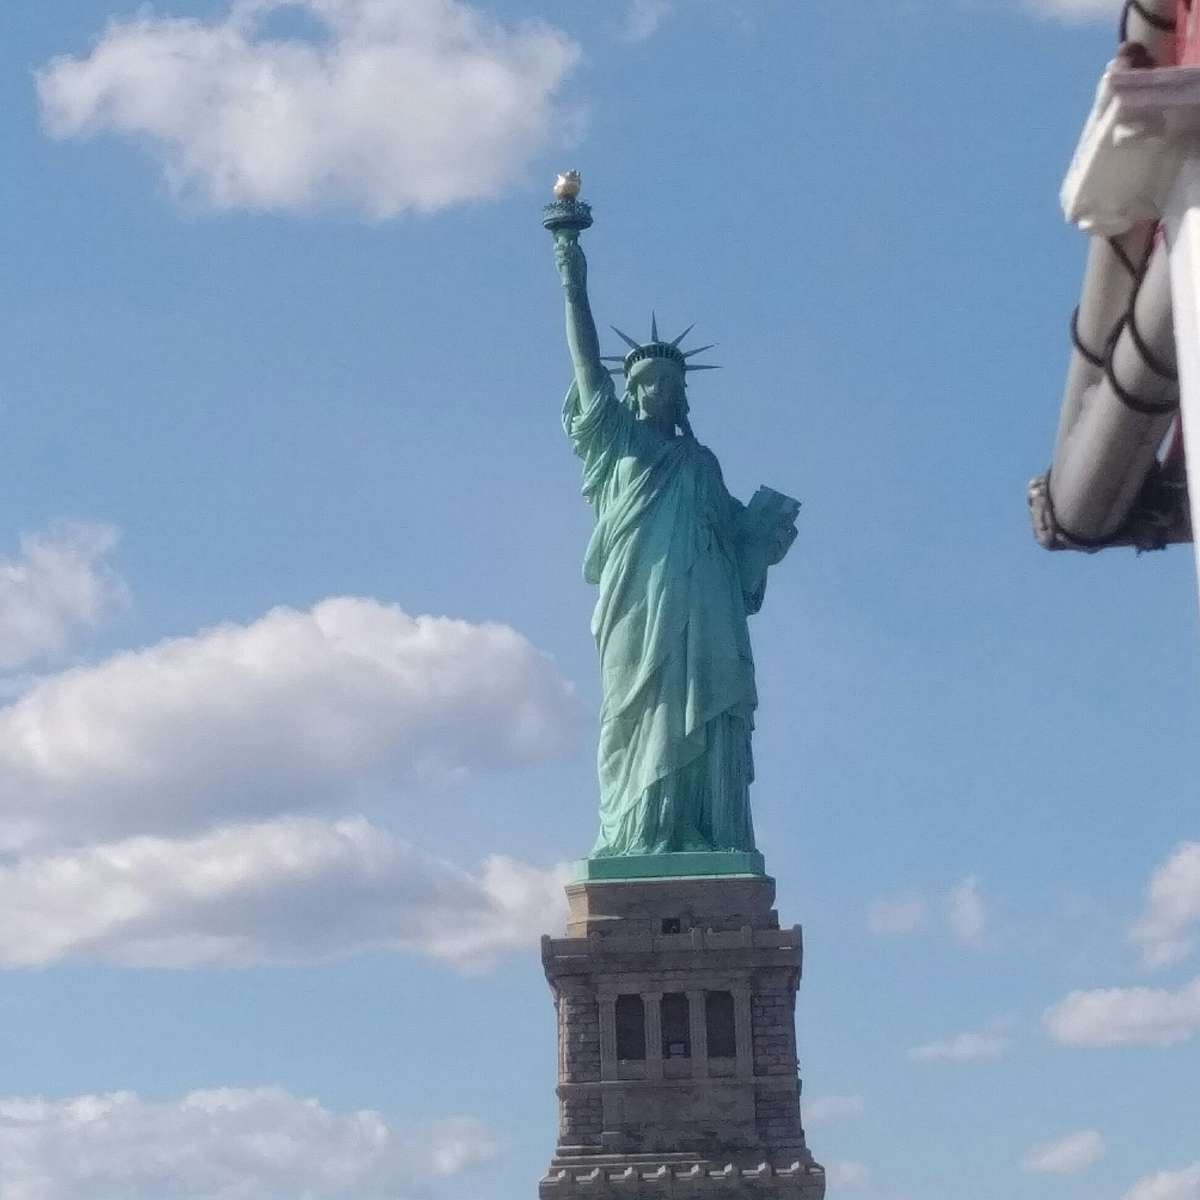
(656, 348)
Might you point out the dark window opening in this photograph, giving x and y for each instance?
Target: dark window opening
(719, 1023)
(676, 1026)
(670, 925)
(631, 1027)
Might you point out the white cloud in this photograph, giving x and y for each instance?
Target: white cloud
(1168, 1185)
(1166, 930)
(1067, 1155)
(962, 910)
(298, 710)
(133, 793)
(1076, 11)
(394, 105)
(645, 17)
(966, 912)
(1126, 1016)
(964, 1047)
(223, 1144)
(833, 1108)
(60, 583)
(853, 1176)
(293, 890)
(897, 914)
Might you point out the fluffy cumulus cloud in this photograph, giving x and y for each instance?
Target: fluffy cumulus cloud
(1067, 1155)
(60, 583)
(963, 1047)
(296, 711)
(1126, 1016)
(292, 890)
(383, 106)
(1166, 932)
(1168, 1185)
(252, 1144)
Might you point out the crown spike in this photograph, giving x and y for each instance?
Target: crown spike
(626, 338)
(702, 367)
(698, 350)
(684, 334)
(653, 326)
(617, 358)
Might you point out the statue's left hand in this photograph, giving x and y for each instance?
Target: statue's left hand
(780, 544)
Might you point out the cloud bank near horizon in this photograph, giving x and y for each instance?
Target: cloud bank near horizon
(298, 711)
(193, 803)
(296, 890)
(252, 1143)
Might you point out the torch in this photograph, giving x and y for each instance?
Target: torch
(567, 216)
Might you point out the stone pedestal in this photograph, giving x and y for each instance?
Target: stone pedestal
(677, 1073)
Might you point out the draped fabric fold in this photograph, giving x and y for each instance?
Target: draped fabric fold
(678, 566)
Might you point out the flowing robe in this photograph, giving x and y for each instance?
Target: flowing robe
(678, 567)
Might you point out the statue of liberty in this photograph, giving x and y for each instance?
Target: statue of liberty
(679, 564)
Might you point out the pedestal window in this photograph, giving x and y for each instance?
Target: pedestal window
(631, 1028)
(720, 1025)
(676, 1026)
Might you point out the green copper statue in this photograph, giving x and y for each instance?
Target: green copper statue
(679, 564)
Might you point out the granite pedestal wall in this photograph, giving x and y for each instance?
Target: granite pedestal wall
(677, 1072)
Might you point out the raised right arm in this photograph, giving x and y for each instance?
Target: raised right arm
(584, 344)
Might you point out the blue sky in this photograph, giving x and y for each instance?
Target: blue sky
(298, 687)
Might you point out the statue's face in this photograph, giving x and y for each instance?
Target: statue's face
(658, 389)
